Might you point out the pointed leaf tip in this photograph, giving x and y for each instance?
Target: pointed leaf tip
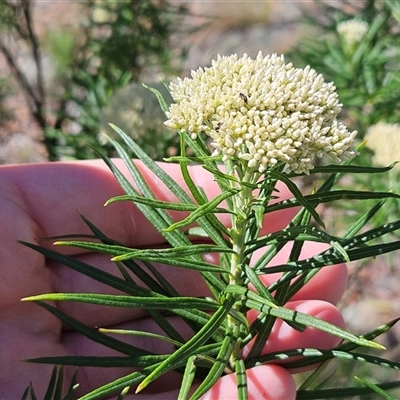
(140, 388)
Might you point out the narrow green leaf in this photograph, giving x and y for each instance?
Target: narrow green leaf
(263, 305)
(127, 301)
(345, 393)
(51, 388)
(190, 159)
(349, 169)
(375, 388)
(201, 266)
(132, 266)
(298, 195)
(163, 256)
(208, 221)
(119, 384)
(59, 385)
(72, 387)
(123, 393)
(153, 203)
(94, 334)
(292, 233)
(260, 329)
(241, 379)
(259, 286)
(346, 347)
(370, 335)
(141, 333)
(334, 195)
(364, 237)
(217, 173)
(218, 368)
(100, 361)
(328, 258)
(308, 320)
(197, 231)
(181, 251)
(177, 256)
(32, 393)
(191, 346)
(163, 103)
(88, 270)
(202, 210)
(188, 377)
(26, 392)
(139, 361)
(363, 220)
(317, 356)
(184, 207)
(339, 248)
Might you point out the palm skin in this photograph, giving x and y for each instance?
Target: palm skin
(45, 200)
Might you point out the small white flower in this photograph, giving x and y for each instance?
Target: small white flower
(262, 112)
(384, 139)
(352, 31)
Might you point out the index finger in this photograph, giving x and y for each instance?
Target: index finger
(55, 194)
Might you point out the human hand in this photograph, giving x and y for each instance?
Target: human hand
(45, 200)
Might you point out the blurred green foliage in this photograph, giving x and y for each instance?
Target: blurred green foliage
(116, 43)
(362, 59)
(135, 109)
(365, 72)
(5, 113)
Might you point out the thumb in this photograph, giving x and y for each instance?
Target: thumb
(265, 382)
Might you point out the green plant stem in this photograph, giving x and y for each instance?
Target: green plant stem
(242, 202)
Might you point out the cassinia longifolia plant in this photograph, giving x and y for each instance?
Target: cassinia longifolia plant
(252, 124)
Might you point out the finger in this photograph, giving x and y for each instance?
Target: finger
(284, 337)
(328, 284)
(54, 195)
(269, 382)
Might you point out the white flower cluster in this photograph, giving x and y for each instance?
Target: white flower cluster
(262, 112)
(352, 30)
(384, 139)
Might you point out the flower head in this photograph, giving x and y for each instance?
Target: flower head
(384, 139)
(352, 31)
(262, 112)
